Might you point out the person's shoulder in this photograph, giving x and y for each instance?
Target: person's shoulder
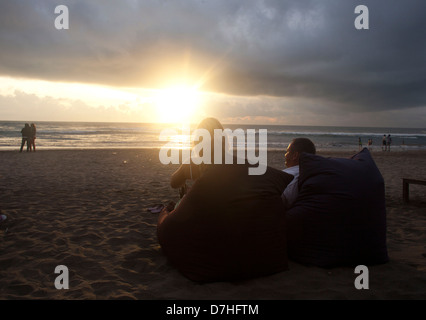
(292, 170)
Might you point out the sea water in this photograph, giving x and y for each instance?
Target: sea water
(92, 135)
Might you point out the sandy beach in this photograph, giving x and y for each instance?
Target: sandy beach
(87, 210)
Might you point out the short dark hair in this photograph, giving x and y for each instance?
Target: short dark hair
(303, 145)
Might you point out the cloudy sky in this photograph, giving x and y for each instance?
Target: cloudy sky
(243, 61)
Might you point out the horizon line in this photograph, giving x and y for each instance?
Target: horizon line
(245, 124)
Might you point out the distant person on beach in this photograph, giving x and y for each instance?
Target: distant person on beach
(26, 136)
(359, 143)
(370, 143)
(388, 141)
(292, 156)
(33, 137)
(384, 143)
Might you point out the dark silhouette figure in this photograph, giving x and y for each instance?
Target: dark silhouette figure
(26, 136)
(33, 137)
(370, 144)
(389, 141)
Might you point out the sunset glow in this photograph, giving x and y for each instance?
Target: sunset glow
(177, 104)
(283, 63)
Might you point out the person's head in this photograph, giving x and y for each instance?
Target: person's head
(295, 148)
(27, 125)
(210, 124)
(33, 125)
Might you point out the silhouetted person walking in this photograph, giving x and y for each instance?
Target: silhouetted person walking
(33, 137)
(384, 143)
(389, 141)
(26, 136)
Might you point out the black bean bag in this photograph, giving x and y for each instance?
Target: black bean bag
(230, 226)
(339, 217)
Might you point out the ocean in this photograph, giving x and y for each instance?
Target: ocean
(91, 135)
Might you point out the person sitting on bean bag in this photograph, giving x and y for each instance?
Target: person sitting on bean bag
(229, 226)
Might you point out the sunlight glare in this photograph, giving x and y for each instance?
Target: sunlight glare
(177, 104)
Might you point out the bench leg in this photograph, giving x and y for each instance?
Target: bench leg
(405, 191)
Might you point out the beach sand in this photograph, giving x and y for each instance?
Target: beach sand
(87, 210)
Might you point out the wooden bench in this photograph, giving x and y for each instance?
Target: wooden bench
(405, 187)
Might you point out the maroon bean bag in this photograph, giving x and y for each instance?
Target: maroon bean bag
(230, 226)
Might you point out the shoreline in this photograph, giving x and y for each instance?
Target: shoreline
(319, 150)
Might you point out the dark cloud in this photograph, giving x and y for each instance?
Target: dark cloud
(307, 49)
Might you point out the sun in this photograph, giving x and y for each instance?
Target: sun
(176, 104)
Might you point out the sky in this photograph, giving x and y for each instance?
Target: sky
(242, 61)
